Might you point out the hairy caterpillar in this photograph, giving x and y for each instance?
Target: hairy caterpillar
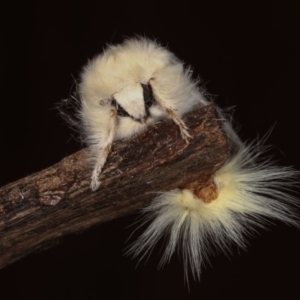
(134, 84)
(246, 193)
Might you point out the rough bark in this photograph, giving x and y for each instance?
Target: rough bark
(40, 208)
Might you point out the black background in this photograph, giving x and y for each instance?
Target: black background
(247, 55)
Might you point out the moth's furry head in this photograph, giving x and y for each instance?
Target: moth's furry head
(135, 60)
(138, 60)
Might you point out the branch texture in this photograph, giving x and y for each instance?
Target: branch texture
(40, 208)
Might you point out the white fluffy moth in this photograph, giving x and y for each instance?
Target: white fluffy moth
(127, 88)
(134, 84)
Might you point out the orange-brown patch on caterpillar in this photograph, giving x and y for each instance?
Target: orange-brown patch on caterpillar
(205, 189)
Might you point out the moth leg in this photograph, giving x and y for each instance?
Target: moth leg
(177, 120)
(103, 151)
(101, 159)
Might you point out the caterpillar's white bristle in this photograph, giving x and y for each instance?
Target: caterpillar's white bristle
(249, 193)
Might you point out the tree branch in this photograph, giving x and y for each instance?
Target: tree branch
(40, 208)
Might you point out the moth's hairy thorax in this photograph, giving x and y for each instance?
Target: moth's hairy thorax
(121, 66)
(129, 87)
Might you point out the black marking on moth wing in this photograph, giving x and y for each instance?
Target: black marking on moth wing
(120, 110)
(148, 100)
(148, 97)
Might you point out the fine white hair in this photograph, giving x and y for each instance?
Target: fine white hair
(128, 87)
(250, 192)
(134, 84)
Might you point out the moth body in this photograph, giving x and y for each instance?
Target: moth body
(127, 88)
